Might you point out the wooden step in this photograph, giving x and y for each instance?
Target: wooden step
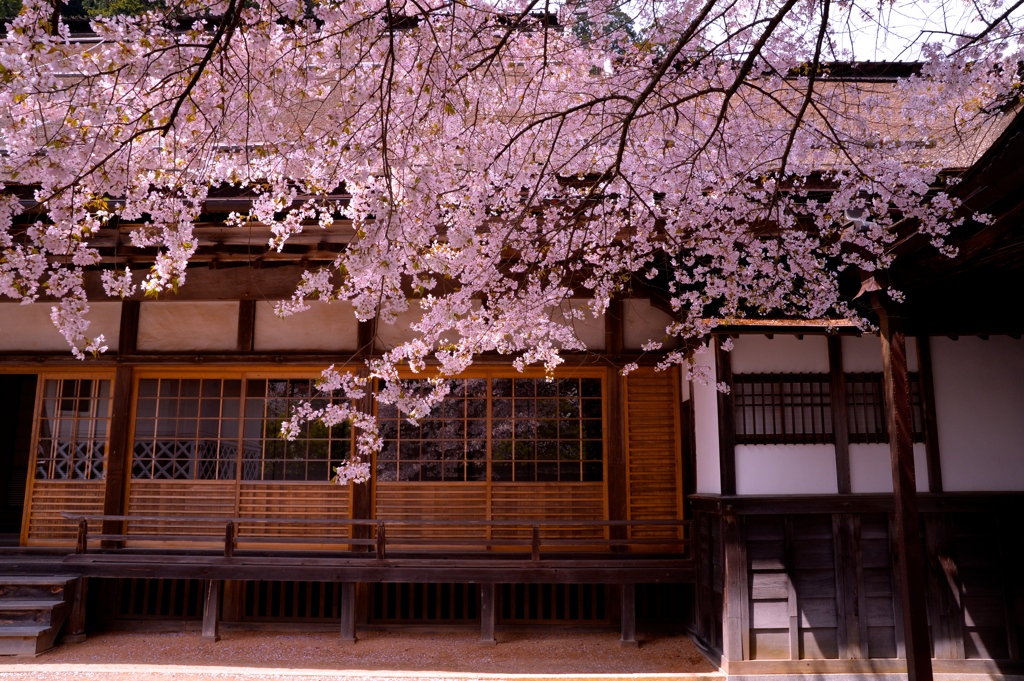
(41, 580)
(32, 612)
(27, 641)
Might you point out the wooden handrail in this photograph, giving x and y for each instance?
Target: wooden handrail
(231, 537)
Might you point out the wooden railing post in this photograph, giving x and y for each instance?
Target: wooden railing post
(229, 539)
(211, 607)
(627, 638)
(82, 543)
(348, 612)
(535, 544)
(488, 614)
(380, 541)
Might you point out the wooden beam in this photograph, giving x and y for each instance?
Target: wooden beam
(488, 614)
(840, 413)
(129, 332)
(348, 612)
(613, 327)
(736, 601)
(908, 524)
(74, 632)
(118, 450)
(211, 607)
(246, 324)
(931, 432)
(627, 637)
(726, 420)
(615, 443)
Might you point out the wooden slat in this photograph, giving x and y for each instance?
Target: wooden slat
(181, 498)
(653, 451)
(315, 501)
(46, 526)
(548, 501)
(432, 501)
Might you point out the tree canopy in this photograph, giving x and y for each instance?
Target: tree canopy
(494, 158)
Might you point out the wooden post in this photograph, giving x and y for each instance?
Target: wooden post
(380, 541)
(931, 432)
(488, 614)
(617, 480)
(119, 447)
(737, 607)
(246, 325)
(348, 613)
(726, 420)
(211, 607)
(908, 524)
(74, 632)
(82, 541)
(840, 413)
(535, 543)
(229, 539)
(627, 638)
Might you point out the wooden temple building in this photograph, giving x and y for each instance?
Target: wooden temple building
(850, 506)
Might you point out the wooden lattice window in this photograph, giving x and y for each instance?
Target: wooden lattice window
(782, 409)
(312, 455)
(73, 427)
(448, 445)
(187, 429)
(546, 430)
(865, 399)
(524, 429)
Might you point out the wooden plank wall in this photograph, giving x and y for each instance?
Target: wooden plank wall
(46, 526)
(432, 501)
(548, 501)
(653, 452)
(183, 498)
(294, 501)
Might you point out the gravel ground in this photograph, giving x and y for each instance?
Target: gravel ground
(379, 655)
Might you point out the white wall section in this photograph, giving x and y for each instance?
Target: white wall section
(786, 469)
(863, 354)
(871, 468)
(188, 326)
(329, 327)
(758, 354)
(643, 322)
(705, 423)
(28, 327)
(979, 404)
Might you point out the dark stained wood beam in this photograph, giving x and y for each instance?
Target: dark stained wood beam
(908, 525)
(931, 432)
(726, 419)
(840, 413)
(618, 471)
(627, 629)
(118, 449)
(211, 610)
(129, 331)
(348, 613)
(246, 324)
(488, 614)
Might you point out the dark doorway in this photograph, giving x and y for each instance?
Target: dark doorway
(17, 404)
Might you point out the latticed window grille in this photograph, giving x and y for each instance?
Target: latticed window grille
(524, 429)
(449, 445)
(314, 453)
(73, 427)
(186, 429)
(865, 400)
(782, 409)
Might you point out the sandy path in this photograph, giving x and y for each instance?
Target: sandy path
(379, 655)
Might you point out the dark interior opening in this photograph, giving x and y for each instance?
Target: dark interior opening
(17, 402)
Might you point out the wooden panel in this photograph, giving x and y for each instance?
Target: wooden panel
(548, 501)
(653, 450)
(181, 498)
(46, 526)
(282, 500)
(452, 501)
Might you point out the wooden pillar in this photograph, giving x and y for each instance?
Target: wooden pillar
(931, 433)
(627, 638)
(908, 525)
(726, 420)
(118, 451)
(246, 325)
(736, 623)
(840, 413)
(488, 614)
(74, 632)
(348, 612)
(211, 607)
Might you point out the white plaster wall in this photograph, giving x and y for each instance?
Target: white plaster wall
(979, 404)
(28, 327)
(188, 326)
(871, 467)
(863, 354)
(643, 322)
(786, 469)
(758, 354)
(590, 329)
(325, 327)
(705, 423)
(391, 335)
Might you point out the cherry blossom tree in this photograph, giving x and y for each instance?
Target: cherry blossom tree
(497, 157)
